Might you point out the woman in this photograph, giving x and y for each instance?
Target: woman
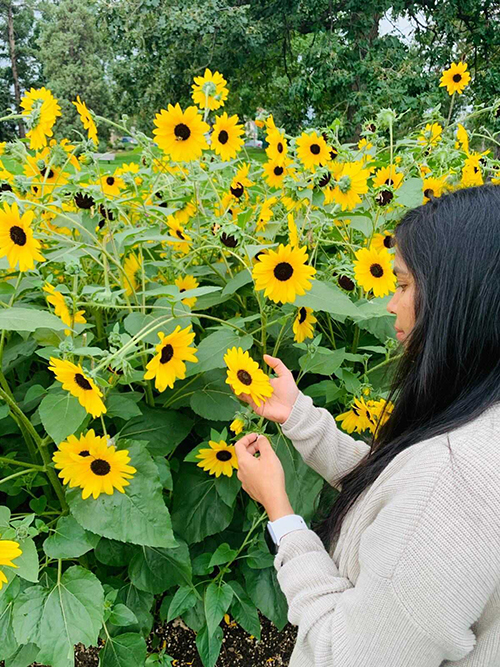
(404, 571)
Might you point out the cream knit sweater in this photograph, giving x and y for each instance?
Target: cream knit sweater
(414, 578)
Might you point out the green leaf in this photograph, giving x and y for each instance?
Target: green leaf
(123, 405)
(29, 319)
(212, 349)
(61, 415)
(162, 429)
(263, 588)
(214, 400)
(258, 556)
(328, 298)
(122, 616)
(123, 650)
(185, 598)
(228, 488)
(28, 610)
(242, 278)
(323, 361)
(163, 466)
(244, 611)
(113, 552)
(8, 595)
(72, 612)
(410, 194)
(27, 562)
(23, 657)
(155, 570)
(141, 603)
(138, 515)
(352, 382)
(223, 554)
(69, 539)
(202, 511)
(209, 646)
(326, 390)
(217, 601)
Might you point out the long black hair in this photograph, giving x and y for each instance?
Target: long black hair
(449, 372)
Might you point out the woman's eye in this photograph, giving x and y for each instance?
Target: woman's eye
(402, 287)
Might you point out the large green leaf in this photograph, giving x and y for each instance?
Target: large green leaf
(8, 595)
(123, 650)
(61, 415)
(209, 646)
(155, 570)
(27, 562)
(242, 278)
(29, 319)
(323, 361)
(113, 552)
(263, 588)
(138, 515)
(244, 611)
(23, 657)
(69, 539)
(185, 598)
(410, 194)
(328, 298)
(223, 554)
(215, 399)
(217, 601)
(201, 512)
(212, 349)
(70, 612)
(140, 602)
(162, 429)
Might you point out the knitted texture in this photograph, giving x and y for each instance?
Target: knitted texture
(414, 578)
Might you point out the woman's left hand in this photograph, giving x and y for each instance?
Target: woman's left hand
(263, 478)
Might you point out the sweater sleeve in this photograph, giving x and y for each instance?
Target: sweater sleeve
(322, 445)
(429, 562)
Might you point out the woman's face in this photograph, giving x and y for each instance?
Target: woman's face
(402, 303)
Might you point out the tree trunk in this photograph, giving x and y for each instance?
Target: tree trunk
(15, 76)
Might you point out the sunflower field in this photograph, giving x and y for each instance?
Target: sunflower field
(136, 306)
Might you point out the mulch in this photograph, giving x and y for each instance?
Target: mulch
(239, 649)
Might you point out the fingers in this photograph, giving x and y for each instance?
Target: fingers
(277, 365)
(248, 399)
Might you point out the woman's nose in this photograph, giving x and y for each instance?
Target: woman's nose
(391, 306)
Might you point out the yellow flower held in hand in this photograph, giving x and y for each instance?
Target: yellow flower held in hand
(237, 426)
(219, 460)
(245, 377)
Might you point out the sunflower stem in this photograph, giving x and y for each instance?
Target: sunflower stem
(451, 109)
(16, 474)
(24, 464)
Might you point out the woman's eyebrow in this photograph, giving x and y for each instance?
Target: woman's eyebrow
(400, 271)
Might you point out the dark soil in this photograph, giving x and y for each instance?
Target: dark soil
(239, 649)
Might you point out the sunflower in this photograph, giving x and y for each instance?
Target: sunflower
(303, 324)
(388, 177)
(101, 470)
(75, 381)
(177, 230)
(9, 550)
(294, 204)
(275, 172)
(277, 148)
(168, 364)
(16, 238)
(462, 138)
(382, 241)
(64, 458)
(181, 134)
(357, 418)
(130, 168)
(312, 150)
(87, 120)
(226, 136)
(228, 204)
(433, 187)
(431, 135)
(375, 409)
(471, 175)
(186, 283)
(240, 182)
(209, 90)
(245, 377)
(237, 426)
(455, 78)
(266, 213)
(293, 234)
(46, 176)
(111, 184)
(373, 271)
(220, 459)
(41, 110)
(283, 274)
(131, 266)
(351, 181)
(61, 309)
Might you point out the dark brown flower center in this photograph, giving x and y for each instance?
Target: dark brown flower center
(244, 377)
(229, 240)
(18, 235)
(46, 172)
(182, 132)
(100, 467)
(84, 201)
(279, 147)
(324, 180)
(223, 455)
(384, 197)
(346, 283)
(238, 190)
(428, 192)
(283, 271)
(180, 234)
(106, 213)
(5, 187)
(166, 354)
(457, 77)
(82, 381)
(376, 270)
(302, 314)
(223, 137)
(315, 149)
(110, 180)
(278, 171)
(84, 452)
(388, 241)
(389, 181)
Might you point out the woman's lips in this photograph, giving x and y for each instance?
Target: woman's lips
(399, 334)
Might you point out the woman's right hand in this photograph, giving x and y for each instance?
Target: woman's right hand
(278, 406)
